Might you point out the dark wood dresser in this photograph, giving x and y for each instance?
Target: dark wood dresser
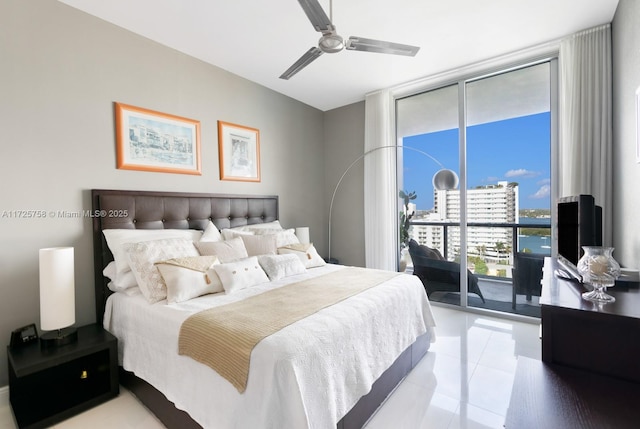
(589, 376)
(601, 338)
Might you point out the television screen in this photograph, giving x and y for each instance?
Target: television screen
(579, 224)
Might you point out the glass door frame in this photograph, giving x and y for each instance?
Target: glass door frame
(461, 79)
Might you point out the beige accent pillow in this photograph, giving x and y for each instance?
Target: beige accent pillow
(260, 244)
(188, 278)
(240, 275)
(143, 256)
(280, 266)
(306, 252)
(226, 251)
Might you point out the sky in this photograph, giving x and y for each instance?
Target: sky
(515, 150)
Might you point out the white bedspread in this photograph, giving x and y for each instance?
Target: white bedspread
(308, 375)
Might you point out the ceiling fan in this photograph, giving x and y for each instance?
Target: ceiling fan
(331, 42)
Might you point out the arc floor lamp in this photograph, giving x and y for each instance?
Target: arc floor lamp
(444, 179)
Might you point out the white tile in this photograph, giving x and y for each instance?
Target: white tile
(500, 354)
(412, 407)
(466, 343)
(490, 389)
(450, 375)
(470, 417)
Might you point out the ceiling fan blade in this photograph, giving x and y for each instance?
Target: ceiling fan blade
(380, 46)
(304, 61)
(317, 16)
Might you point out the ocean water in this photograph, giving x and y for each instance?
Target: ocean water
(534, 243)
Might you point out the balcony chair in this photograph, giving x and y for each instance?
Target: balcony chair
(527, 275)
(438, 274)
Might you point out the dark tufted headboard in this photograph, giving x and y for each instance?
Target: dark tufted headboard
(167, 210)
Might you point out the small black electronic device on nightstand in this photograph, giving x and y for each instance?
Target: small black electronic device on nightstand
(23, 336)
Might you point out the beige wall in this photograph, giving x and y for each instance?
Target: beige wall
(626, 174)
(344, 143)
(60, 72)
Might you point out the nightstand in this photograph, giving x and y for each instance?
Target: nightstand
(50, 385)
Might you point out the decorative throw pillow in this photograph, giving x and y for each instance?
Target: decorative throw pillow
(117, 238)
(230, 234)
(260, 244)
(284, 237)
(191, 277)
(226, 251)
(211, 233)
(306, 252)
(240, 275)
(280, 266)
(143, 256)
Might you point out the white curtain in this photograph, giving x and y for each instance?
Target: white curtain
(380, 200)
(585, 115)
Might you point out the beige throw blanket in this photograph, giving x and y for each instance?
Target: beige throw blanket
(223, 337)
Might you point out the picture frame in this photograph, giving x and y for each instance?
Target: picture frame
(147, 140)
(239, 152)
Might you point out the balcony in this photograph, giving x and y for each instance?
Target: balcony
(492, 263)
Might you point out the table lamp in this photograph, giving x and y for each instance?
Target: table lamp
(57, 297)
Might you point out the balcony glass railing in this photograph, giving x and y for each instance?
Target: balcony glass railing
(491, 257)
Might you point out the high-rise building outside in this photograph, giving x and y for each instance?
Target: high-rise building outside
(487, 204)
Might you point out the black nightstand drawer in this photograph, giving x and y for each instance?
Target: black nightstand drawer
(48, 386)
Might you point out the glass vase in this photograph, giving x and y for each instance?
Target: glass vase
(598, 269)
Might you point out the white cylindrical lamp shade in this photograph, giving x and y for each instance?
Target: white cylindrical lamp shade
(303, 234)
(57, 288)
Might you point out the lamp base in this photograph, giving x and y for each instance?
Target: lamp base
(58, 338)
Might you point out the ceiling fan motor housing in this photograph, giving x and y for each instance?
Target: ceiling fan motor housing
(331, 43)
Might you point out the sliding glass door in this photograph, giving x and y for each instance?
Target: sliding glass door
(495, 131)
(427, 127)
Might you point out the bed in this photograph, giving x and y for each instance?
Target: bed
(290, 391)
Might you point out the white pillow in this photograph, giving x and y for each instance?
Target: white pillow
(117, 238)
(188, 278)
(118, 283)
(306, 252)
(267, 225)
(226, 251)
(280, 266)
(230, 234)
(143, 256)
(130, 291)
(284, 237)
(240, 275)
(110, 270)
(211, 233)
(260, 244)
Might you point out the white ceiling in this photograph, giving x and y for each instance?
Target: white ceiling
(260, 39)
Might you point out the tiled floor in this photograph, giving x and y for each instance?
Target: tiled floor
(464, 381)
